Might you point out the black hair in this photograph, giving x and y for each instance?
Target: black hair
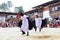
(21, 14)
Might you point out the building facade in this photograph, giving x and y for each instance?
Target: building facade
(34, 12)
(51, 9)
(6, 15)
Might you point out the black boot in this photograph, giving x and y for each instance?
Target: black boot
(23, 33)
(40, 29)
(27, 33)
(35, 29)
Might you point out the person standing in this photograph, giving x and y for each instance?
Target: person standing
(38, 22)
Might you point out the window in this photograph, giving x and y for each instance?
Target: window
(53, 9)
(56, 8)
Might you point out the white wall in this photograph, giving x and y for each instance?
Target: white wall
(14, 16)
(46, 14)
(2, 18)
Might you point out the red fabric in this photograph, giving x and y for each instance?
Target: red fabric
(55, 25)
(50, 25)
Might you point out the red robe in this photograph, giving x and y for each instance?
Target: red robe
(55, 25)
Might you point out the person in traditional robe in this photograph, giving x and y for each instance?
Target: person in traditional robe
(50, 25)
(30, 23)
(24, 26)
(38, 22)
(44, 23)
(55, 24)
(58, 23)
(33, 23)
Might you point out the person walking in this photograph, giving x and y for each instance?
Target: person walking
(38, 22)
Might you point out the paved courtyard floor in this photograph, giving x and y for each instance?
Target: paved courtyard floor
(15, 34)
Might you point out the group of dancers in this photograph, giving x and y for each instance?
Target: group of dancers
(27, 23)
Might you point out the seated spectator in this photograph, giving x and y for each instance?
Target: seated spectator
(50, 25)
(4, 24)
(55, 25)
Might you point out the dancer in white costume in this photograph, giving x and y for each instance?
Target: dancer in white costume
(38, 22)
(25, 25)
